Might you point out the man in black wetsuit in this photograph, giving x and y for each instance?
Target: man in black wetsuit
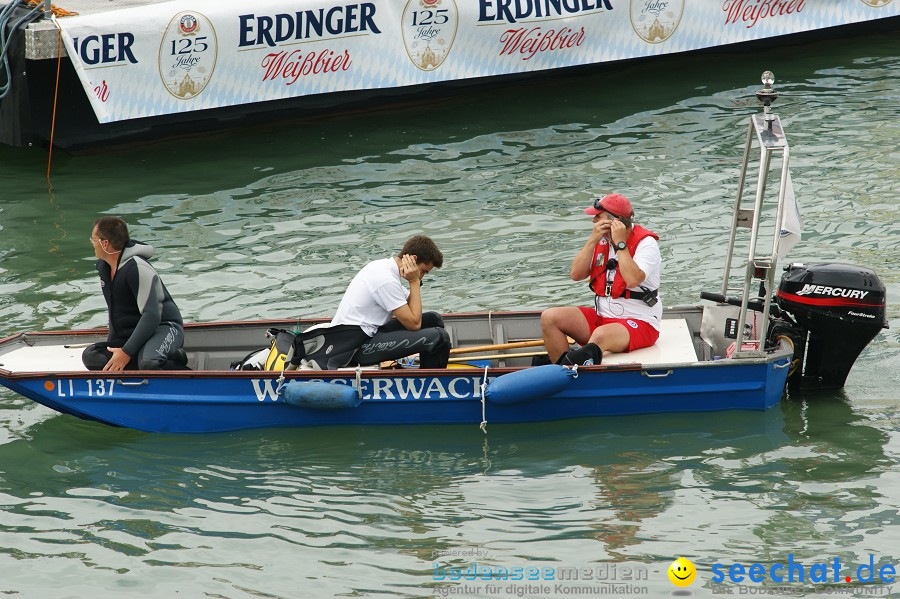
(145, 326)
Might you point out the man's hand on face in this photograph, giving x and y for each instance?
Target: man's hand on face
(408, 268)
(602, 224)
(618, 231)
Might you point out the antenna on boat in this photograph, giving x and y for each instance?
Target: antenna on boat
(767, 95)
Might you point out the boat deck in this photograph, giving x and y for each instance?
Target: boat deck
(675, 346)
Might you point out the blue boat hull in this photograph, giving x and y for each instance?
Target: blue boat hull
(218, 402)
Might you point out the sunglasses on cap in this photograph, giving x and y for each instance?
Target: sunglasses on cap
(599, 206)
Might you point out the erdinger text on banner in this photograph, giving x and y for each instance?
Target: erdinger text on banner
(174, 57)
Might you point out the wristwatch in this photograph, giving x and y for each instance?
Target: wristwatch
(620, 246)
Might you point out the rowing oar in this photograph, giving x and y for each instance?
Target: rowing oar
(501, 346)
(529, 354)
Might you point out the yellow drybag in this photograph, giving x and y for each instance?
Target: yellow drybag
(282, 343)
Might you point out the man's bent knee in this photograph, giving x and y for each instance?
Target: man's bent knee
(95, 356)
(553, 317)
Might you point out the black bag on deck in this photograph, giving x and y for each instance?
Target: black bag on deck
(273, 357)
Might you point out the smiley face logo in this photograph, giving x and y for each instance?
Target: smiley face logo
(682, 572)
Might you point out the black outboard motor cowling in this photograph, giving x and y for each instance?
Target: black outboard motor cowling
(839, 309)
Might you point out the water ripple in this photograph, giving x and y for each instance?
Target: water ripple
(278, 229)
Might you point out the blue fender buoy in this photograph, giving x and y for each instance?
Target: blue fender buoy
(320, 395)
(530, 384)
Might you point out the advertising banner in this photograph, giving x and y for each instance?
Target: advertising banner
(181, 56)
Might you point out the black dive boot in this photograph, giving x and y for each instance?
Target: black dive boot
(587, 355)
(177, 360)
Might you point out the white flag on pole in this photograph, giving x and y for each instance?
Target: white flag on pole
(791, 223)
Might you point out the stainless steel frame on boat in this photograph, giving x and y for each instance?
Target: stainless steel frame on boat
(766, 129)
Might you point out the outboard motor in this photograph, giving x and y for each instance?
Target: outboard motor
(838, 309)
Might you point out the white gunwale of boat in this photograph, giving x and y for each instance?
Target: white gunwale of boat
(675, 346)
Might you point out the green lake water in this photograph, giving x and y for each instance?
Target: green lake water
(274, 221)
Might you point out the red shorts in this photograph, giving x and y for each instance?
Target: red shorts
(640, 333)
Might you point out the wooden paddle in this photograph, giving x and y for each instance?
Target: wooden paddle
(501, 346)
(529, 354)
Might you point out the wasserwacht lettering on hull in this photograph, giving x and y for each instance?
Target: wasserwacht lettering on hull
(397, 388)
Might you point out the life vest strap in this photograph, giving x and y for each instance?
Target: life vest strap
(641, 295)
(646, 295)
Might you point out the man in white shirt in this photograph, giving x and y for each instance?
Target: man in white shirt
(622, 262)
(388, 314)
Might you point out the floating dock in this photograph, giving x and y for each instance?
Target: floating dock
(103, 73)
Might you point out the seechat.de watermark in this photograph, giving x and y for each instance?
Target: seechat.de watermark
(793, 571)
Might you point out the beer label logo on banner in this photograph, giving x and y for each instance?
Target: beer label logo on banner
(656, 20)
(188, 24)
(187, 55)
(429, 29)
(877, 3)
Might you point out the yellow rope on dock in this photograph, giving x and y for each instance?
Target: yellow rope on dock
(57, 11)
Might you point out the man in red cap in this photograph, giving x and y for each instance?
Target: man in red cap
(622, 263)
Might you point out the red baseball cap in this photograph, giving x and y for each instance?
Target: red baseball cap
(614, 203)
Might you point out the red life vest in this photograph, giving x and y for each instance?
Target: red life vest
(597, 281)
